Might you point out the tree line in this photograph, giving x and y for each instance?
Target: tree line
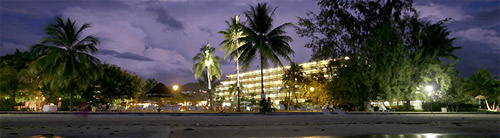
(382, 51)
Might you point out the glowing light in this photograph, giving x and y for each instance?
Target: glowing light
(208, 62)
(43, 98)
(36, 98)
(312, 89)
(429, 88)
(175, 87)
(59, 98)
(430, 135)
(346, 58)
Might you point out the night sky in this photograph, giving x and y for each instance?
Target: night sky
(157, 39)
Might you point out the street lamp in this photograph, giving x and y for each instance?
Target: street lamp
(429, 89)
(175, 87)
(59, 103)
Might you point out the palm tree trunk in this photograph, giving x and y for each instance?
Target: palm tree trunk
(295, 93)
(368, 104)
(209, 89)
(262, 77)
(14, 91)
(289, 98)
(70, 96)
(487, 104)
(238, 83)
(14, 99)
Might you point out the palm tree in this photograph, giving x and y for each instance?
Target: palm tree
(64, 59)
(483, 84)
(206, 59)
(271, 44)
(231, 44)
(149, 84)
(292, 77)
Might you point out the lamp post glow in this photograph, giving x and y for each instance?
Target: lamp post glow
(429, 88)
(429, 93)
(59, 103)
(175, 87)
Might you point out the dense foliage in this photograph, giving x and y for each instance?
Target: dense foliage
(115, 83)
(386, 52)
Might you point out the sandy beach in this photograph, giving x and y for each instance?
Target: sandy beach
(220, 125)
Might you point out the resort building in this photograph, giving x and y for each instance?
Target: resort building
(251, 82)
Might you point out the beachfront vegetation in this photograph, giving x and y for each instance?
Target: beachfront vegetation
(205, 59)
(486, 86)
(231, 43)
(16, 84)
(114, 83)
(389, 53)
(382, 51)
(261, 38)
(64, 59)
(294, 78)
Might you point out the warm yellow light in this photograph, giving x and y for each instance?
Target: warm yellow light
(59, 98)
(175, 87)
(43, 98)
(346, 58)
(312, 89)
(36, 98)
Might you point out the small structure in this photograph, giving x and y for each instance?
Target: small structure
(160, 91)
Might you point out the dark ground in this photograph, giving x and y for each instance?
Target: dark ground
(246, 125)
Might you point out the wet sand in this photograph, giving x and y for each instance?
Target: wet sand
(164, 125)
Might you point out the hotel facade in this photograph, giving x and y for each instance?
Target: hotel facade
(250, 82)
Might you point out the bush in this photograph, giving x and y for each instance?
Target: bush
(467, 108)
(403, 108)
(350, 107)
(6, 105)
(436, 106)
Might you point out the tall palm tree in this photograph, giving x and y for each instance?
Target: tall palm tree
(270, 43)
(205, 59)
(231, 44)
(292, 77)
(64, 57)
